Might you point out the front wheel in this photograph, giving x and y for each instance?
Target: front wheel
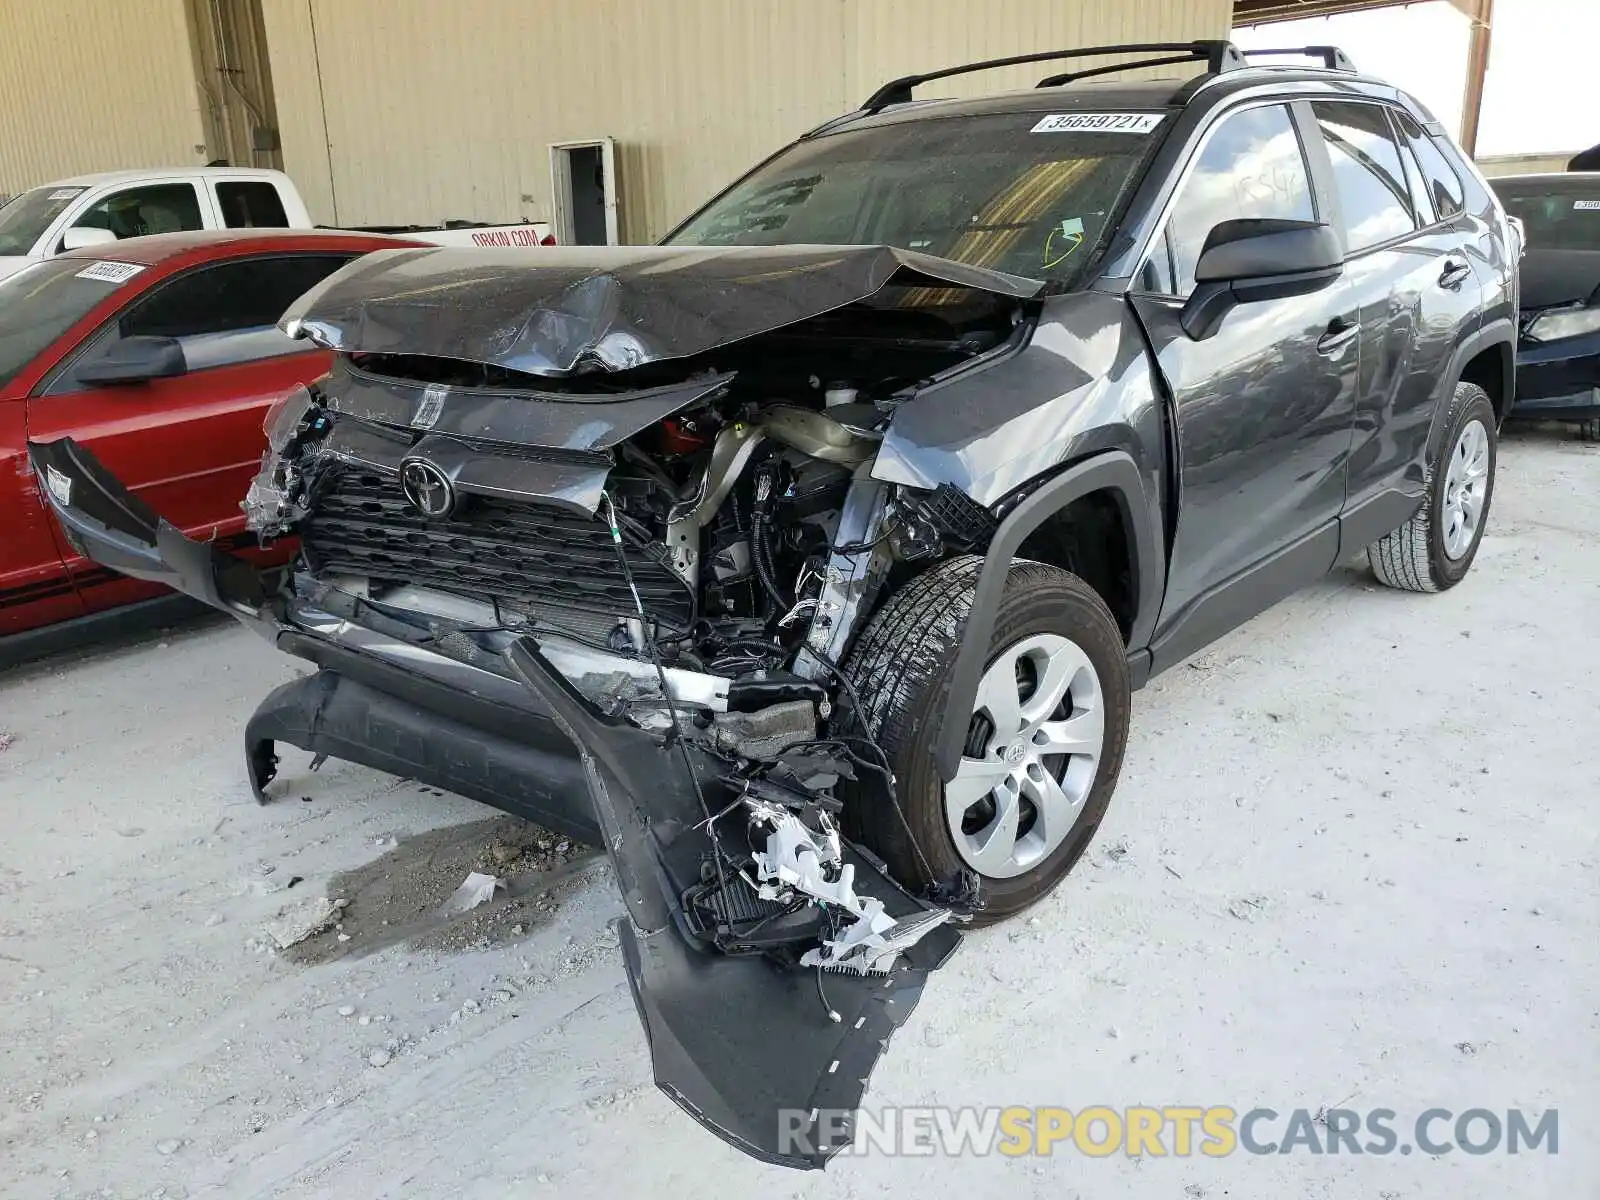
(1433, 550)
(1044, 741)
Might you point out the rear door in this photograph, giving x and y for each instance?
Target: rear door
(1412, 277)
(188, 446)
(1261, 409)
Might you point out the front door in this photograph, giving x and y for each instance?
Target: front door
(34, 586)
(188, 446)
(1262, 408)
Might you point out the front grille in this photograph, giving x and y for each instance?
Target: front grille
(541, 555)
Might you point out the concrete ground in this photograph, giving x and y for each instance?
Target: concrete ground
(1352, 862)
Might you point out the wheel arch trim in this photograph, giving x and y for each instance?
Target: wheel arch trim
(1114, 472)
(1497, 333)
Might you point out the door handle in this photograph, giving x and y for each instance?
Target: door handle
(1455, 273)
(1339, 332)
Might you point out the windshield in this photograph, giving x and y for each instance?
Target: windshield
(1014, 192)
(1561, 214)
(41, 302)
(24, 220)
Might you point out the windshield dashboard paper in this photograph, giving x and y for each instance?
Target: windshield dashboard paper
(1135, 122)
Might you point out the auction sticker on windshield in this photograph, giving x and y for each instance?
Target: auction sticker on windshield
(1134, 122)
(110, 272)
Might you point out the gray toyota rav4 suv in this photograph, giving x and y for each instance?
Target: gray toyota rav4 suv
(808, 561)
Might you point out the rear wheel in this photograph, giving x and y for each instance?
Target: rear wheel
(1434, 549)
(1589, 430)
(1044, 741)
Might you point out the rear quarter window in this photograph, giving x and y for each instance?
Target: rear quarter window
(251, 204)
(1445, 190)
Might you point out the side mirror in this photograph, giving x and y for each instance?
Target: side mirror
(80, 236)
(135, 360)
(1258, 259)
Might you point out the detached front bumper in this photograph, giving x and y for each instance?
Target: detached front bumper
(1558, 381)
(772, 1057)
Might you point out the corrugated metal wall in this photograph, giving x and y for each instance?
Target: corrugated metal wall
(1496, 165)
(405, 111)
(410, 111)
(95, 85)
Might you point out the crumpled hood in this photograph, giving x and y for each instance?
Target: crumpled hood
(601, 308)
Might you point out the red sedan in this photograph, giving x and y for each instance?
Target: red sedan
(161, 355)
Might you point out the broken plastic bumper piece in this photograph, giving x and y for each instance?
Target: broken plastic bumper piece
(763, 1025)
(110, 525)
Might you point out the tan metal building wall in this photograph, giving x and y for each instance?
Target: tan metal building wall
(1523, 164)
(407, 111)
(95, 85)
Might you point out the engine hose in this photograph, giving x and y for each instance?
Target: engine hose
(762, 553)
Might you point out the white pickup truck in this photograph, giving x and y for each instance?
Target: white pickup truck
(93, 209)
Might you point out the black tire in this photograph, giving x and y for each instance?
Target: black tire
(1589, 431)
(901, 668)
(1413, 558)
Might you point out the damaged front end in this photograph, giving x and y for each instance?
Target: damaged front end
(615, 520)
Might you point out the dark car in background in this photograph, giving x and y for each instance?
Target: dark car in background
(1558, 342)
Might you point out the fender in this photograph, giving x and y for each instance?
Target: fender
(1113, 471)
(1499, 331)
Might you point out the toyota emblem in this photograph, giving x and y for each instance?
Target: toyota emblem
(427, 488)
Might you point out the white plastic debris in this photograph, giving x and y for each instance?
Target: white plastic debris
(476, 889)
(296, 924)
(812, 863)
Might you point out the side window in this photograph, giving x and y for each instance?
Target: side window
(1251, 166)
(1367, 173)
(1445, 192)
(223, 315)
(248, 294)
(251, 204)
(135, 212)
(1421, 204)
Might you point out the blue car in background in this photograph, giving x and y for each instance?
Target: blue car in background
(1558, 343)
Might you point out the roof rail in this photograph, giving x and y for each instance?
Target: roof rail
(1332, 57)
(1071, 76)
(1219, 56)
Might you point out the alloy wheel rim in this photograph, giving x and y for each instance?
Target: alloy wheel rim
(1466, 486)
(1033, 750)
